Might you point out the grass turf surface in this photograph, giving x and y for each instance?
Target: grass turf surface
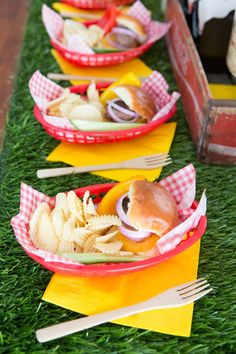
(24, 281)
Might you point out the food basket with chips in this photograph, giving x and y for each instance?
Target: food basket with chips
(105, 250)
(111, 40)
(50, 98)
(96, 4)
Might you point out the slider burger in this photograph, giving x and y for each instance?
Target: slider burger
(127, 34)
(146, 209)
(131, 105)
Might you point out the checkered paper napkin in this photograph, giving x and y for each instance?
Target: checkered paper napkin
(181, 185)
(54, 24)
(44, 90)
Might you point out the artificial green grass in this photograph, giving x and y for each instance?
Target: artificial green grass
(23, 281)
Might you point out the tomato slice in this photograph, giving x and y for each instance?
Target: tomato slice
(138, 246)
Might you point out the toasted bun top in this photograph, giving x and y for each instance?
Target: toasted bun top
(151, 208)
(137, 100)
(134, 25)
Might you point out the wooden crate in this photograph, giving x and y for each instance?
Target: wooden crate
(212, 122)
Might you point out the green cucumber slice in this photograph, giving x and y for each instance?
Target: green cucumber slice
(93, 126)
(91, 258)
(104, 50)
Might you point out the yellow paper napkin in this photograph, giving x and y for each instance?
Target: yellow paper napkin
(157, 141)
(136, 66)
(94, 295)
(223, 92)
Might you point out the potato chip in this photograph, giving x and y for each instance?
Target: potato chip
(75, 207)
(107, 237)
(109, 248)
(46, 236)
(61, 203)
(58, 220)
(89, 245)
(66, 246)
(99, 230)
(91, 210)
(105, 220)
(36, 217)
(53, 106)
(81, 235)
(93, 97)
(124, 253)
(72, 101)
(68, 229)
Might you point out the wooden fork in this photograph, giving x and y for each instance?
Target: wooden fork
(174, 297)
(142, 163)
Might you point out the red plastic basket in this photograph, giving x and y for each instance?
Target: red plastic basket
(96, 4)
(97, 191)
(104, 59)
(77, 136)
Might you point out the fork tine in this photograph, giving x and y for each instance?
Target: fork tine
(154, 163)
(194, 291)
(186, 285)
(192, 286)
(199, 295)
(156, 156)
(158, 159)
(157, 165)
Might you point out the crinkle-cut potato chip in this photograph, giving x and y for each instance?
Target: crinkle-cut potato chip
(66, 246)
(61, 203)
(77, 248)
(89, 245)
(91, 207)
(109, 248)
(73, 226)
(46, 236)
(107, 237)
(75, 207)
(85, 201)
(35, 219)
(105, 220)
(81, 235)
(99, 230)
(68, 229)
(58, 220)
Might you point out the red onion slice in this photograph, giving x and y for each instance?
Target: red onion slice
(120, 210)
(134, 235)
(113, 115)
(122, 109)
(121, 30)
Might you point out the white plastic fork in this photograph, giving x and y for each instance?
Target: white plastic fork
(174, 297)
(142, 162)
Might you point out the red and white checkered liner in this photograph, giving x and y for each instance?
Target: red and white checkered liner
(43, 90)
(95, 4)
(53, 23)
(180, 184)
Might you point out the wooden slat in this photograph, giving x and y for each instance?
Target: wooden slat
(12, 19)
